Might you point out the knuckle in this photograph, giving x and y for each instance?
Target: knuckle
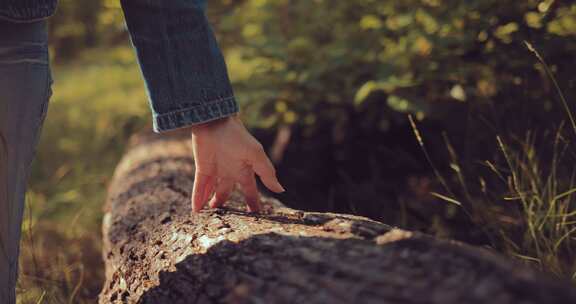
(258, 148)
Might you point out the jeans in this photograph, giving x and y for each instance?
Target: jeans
(24, 93)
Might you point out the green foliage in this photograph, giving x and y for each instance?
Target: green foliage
(81, 24)
(320, 58)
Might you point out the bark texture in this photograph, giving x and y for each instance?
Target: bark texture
(157, 252)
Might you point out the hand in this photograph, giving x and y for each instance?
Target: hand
(225, 154)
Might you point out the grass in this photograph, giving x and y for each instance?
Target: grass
(547, 207)
(526, 207)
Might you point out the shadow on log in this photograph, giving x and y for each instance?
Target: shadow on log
(157, 252)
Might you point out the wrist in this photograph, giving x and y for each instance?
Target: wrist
(212, 123)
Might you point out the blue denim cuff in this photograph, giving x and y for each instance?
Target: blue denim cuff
(182, 65)
(197, 114)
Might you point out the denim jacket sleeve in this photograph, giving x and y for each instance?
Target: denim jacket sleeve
(183, 68)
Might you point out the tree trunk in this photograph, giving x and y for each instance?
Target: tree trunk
(157, 252)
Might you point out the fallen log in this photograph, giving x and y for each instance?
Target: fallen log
(156, 251)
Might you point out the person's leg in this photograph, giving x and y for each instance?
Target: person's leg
(24, 92)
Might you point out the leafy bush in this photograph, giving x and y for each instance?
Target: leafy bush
(303, 61)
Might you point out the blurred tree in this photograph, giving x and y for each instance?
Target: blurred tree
(79, 25)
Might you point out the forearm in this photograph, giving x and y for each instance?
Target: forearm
(184, 70)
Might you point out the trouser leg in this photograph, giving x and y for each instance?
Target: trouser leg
(24, 93)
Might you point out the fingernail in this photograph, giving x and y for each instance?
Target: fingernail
(281, 188)
(212, 202)
(195, 209)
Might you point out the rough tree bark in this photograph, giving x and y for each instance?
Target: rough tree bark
(157, 252)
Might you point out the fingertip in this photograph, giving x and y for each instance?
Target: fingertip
(277, 187)
(196, 206)
(272, 183)
(278, 191)
(197, 193)
(281, 188)
(217, 201)
(254, 209)
(212, 203)
(193, 201)
(194, 209)
(254, 204)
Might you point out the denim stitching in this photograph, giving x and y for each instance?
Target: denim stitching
(199, 104)
(195, 115)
